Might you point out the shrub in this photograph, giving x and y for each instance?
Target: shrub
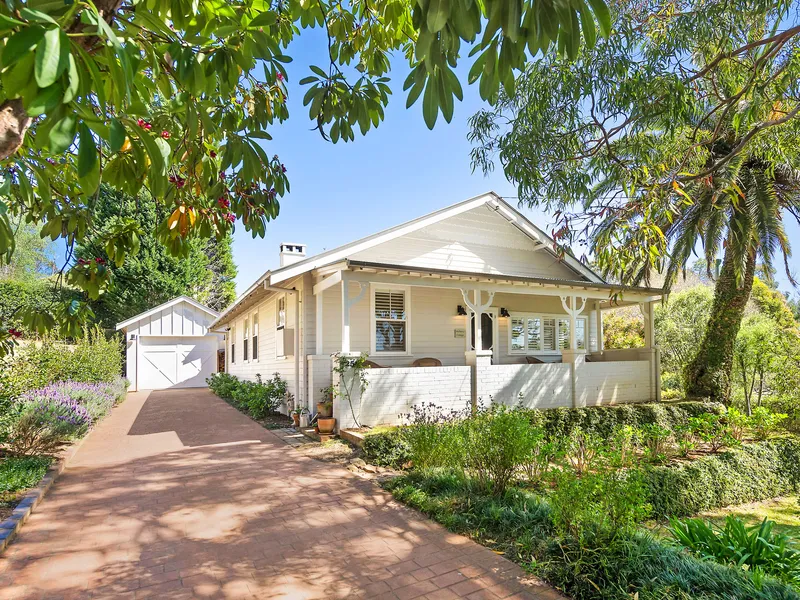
(434, 436)
(765, 423)
(713, 430)
(739, 423)
(756, 547)
(258, 398)
(21, 472)
(582, 450)
(387, 448)
(601, 566)
(753, 472)
(657, 442)
(223, 384)
(92, 359)
(605, 420)
(95, 398)
(45, 421)
(497, 441)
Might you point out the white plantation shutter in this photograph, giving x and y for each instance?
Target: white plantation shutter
(390, 321)
(534, 333)
(549, 334)
(517, 334)
(563, 334)
(580, 334)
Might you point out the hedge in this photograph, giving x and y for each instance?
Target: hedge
(751, 473)
(603, 420)
(388, 448)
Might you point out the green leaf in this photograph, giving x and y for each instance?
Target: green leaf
(47, 99)
(31, 14)
(48, 58)
(438, 13)
(62, 134)
(88, 164)
(73, 81)
(21, 43)
(603, 16)
(430, 102)
(117, 134)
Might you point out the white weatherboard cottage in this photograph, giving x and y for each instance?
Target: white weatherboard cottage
(430, 288)
(170, 346)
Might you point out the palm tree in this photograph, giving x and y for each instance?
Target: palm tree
(741, 215)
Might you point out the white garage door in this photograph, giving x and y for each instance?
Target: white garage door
(174, 362)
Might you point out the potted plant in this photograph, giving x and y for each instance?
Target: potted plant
(325, 408)
(326, 425)
(300, 416)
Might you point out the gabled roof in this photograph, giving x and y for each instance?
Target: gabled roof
(491, 199)
(161, 307)
(514, 217)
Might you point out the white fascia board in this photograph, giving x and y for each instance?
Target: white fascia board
(366, 243)
(258, 283)
(165, 305)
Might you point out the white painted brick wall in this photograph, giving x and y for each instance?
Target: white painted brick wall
(392, 392)
(541, 386)
(613, 382)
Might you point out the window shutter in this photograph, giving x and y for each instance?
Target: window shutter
(534, 334)
(563, 334)
(549, 334)
(517, 334)
(390, 305)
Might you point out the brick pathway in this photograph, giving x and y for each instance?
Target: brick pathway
(178, 495)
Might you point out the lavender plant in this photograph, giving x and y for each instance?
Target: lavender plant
(47, 420)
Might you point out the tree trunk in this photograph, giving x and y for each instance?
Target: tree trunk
(14, 122)
(709, 373)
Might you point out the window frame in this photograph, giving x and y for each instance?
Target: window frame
(254, 336)
(280, 325)
(389, 287)
(245, 339)
(542, 317)
(233, 344)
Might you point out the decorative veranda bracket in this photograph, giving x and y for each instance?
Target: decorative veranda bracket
(475, 305)
(572, 310)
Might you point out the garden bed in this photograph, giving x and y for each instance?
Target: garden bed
(17, 476)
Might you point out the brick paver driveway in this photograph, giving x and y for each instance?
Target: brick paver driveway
(178, 495)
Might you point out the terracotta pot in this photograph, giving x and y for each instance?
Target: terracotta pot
(296, 419)
(325, 409)
(326, 424)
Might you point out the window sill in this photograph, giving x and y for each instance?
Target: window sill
(409, 354)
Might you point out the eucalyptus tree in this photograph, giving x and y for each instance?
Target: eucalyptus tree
(178, 97)
(680, 130)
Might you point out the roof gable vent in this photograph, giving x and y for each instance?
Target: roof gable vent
(292, 253)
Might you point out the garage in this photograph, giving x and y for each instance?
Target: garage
(170, 346)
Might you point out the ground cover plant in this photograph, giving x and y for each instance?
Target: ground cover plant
(18, 474)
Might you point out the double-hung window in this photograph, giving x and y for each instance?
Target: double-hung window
(233, 344)
(390, 320)
(254, 338)
(280, 325)
(244, 343)
(532, 333)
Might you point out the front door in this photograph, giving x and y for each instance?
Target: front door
(488, 330)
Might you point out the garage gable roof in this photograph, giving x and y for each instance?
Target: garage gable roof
(201, 307)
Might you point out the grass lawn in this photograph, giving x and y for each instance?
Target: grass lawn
(784, 511)
(17, 475)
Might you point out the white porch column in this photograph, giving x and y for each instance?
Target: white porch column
(347, 303)
(599, 326)
(320, 322)
(477, 306)
(345, 314)
(647, 309)
(574, 312)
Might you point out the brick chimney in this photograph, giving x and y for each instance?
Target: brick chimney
(292, 253)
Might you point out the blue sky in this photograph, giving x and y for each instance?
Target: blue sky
(397, 172)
